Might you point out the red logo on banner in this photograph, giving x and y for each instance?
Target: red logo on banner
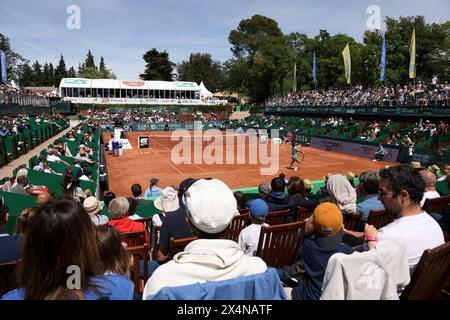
(133, 83)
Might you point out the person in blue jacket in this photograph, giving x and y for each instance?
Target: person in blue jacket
(60, 259)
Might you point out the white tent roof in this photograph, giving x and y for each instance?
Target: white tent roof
(203, 91)
(129, 84)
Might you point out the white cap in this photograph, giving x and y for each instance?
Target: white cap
(210, 205)
(168, 201)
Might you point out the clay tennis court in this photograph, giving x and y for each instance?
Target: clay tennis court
(140, 165)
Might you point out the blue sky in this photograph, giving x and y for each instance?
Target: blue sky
(122, 31)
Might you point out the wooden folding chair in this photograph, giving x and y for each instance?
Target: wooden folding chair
(176, 245)
(430, 276)
(279, 245)
(237, 224)
(436, 205)
(8, 277)
(353, 222)
(304, 213)
(278, 217)
(133, 239)
(379, 218)
(139, 253)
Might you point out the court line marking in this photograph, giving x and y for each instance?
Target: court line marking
(186, 163)
(166, 161)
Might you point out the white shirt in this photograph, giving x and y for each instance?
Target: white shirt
(249, 238)
(420, 231)
(429, 195)
(53, 158)
(84, 177)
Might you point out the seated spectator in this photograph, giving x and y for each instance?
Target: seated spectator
(249, 236)
(239, 195)
(326, 226)
(24, 220)
(263, 190)
(154, 190)
(43, 198)
(210, 207)
(63, 236)
(136, 200)
(277, 198)
(430, 189)
(182, 188)
(87, 175)
(52, 156)
(368, 188)
(118, 209)
(22, 186)
(351, 178)
(173, 225)
(72, 189)
(114, 259)
(380, 153)
(10, 246)
(401, 189)
(297, 195)
(323, 191)
(308, 188)
(342, 194)
(92, 207)
(107, 198)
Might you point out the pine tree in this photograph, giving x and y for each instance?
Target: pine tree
(51, 74)
(60, 71)
(71, 73)
(89, 62)
(25, 75)
(45, 76)
(37, 74)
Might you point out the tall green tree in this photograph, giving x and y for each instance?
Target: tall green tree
(103, 71)
(89, 62)
(37, 74)
(259, 44)
(14, 59)
(25, 75)
(71, 73)
(158, 66)
(60, 71)
(201, 67)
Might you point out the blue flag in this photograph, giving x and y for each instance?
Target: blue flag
(383, 60)
(314, 68)
(3, 67)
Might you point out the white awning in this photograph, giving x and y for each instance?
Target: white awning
(75, 83)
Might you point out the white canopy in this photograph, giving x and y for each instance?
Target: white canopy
(204, 92)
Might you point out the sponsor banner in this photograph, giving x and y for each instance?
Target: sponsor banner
(356, 149)
(3, 66)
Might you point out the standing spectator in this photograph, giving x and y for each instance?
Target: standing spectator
(62, 236)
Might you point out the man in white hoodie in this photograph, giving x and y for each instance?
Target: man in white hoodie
(210, 207)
